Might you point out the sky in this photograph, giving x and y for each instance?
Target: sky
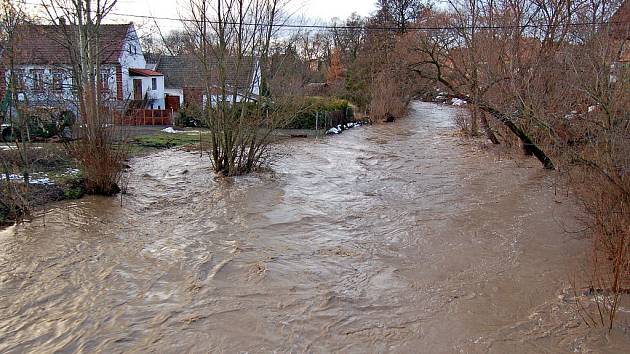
(327, 9)
(314, 11)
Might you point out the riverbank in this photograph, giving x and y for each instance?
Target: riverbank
(54, 177)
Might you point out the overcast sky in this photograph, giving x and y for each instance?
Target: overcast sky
(313, 10)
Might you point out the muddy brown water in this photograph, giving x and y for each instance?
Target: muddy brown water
(391, 238)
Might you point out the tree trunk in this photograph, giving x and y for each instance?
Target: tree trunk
(474, 126)
(525, 139)
(501, 117)
(488, 130)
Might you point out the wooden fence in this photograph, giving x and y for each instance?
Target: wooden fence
(145, 117)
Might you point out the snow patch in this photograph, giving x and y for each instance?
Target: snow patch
(13, 147)
(340, 128)
(333, 131)
(72, 171)
(458, 102)
(170, 130)
(12, 177)
(43, 180)
(19, 178)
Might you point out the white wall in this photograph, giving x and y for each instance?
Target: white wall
(111, 80)
(131, 57)
(147, 88)
(217, 98)
(256, 80)
(50, 97)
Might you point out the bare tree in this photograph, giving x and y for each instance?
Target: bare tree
(177, 42)
(554, 75)
(401, 13)
(13, 198)
(349, 37)
(233, 39)
(78, 26)
(480, 67)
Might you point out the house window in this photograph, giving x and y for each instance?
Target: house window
(153, 84)
(72, 79)
(18, 79)
(105, 80)
(37, 77)
(57, 81)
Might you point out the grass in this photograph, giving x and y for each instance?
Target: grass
(166, 140)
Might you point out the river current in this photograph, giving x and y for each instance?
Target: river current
(398, 237)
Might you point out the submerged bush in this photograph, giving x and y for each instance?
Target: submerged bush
(100, 154)
(101, 164)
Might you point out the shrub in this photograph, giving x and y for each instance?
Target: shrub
(99, 154)
(388, 101)
(190, 116)
(73, 192)
(324, 111)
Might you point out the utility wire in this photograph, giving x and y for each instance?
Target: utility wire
(347, 27)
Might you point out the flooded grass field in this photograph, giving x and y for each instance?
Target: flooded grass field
(389, 238)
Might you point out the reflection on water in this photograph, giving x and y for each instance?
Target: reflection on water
(388, 238)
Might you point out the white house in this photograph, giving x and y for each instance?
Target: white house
(43, 72)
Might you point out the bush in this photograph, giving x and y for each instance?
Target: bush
(13, 202)
(190, 116)
(47, 124)
(46, 130)
(388, 101)
(332, 111)
(73, 192)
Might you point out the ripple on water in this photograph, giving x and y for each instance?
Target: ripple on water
(386, 238)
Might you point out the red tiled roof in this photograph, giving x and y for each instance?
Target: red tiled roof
(143, 72)
(47, 44)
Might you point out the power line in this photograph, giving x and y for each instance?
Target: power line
(347, 27)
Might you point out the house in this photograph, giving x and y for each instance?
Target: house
(185, 80)
(42, 68)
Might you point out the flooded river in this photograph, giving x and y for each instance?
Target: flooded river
(389, 238)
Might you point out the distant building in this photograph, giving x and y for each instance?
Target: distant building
(186, 79)
(43, 68)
